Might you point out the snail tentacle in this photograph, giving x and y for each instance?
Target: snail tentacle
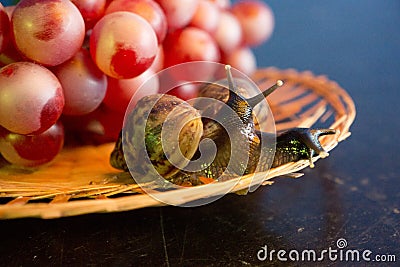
(299, 143)
(253, 101)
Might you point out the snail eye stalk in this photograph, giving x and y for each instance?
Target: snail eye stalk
(235, 101)
(253, 101)
(231, 84)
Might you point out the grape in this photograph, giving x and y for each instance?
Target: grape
(251, 14)
(189, 44)
(147, 9)
(185, 91)
(10, 55)
(120, 91)
(206, 16)
(158, 63)
(31, 98)
(242, 59)
(32, 150)
(178, 12)
(91, 10)
(100, 126)
(123, 45)
(110, 121)
(4, 29)
(102, 54)
(47, 31)
(229, 32)
(222, 4)
(84, 85)
(186, 45)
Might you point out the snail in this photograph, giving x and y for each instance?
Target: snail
(230, 127)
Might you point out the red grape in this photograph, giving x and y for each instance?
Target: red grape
(32, 150)
(110, 122)
(123, 45)
(47, 31)
(10, 55)
(120, 91)
(242, 59)
(147, 9)
(91, 10)
(256, 19)
(100, 126)
(229, 32)
(187, 72)
(206, 16)
(4, 29)
(84, 85)
(178, 12)
(31, 98)
(189, 44)
(223, 4)
(185, 91)
(104, 55)
(158, 63)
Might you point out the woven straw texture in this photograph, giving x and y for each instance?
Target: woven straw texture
(81, 180)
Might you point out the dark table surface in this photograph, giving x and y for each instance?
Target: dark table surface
(352, 195)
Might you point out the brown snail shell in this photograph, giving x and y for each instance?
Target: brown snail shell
(164, 109)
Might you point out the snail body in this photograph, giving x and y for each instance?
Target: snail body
(230, 127)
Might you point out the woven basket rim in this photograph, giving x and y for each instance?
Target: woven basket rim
(324, 99)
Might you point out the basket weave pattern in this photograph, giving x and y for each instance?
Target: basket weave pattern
(81, 180)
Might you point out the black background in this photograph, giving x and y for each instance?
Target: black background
(354, 194)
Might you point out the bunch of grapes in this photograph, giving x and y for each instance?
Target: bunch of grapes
(72, 67)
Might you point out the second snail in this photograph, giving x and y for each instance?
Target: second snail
(238, 148)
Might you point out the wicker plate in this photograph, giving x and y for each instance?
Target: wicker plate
(81, 181)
